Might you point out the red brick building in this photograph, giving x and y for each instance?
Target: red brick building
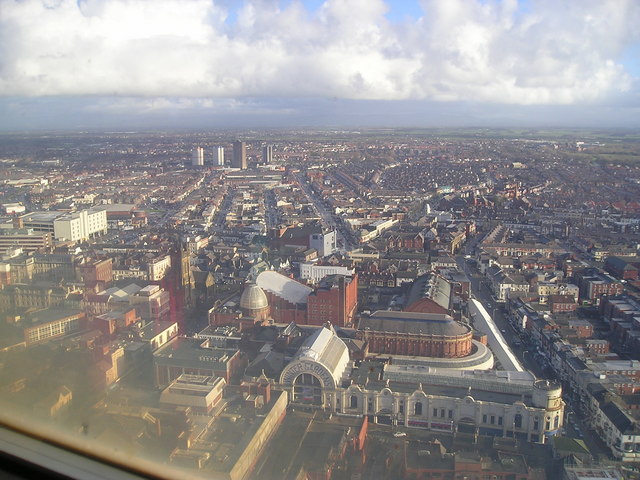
(406, 242)
(96, 273)
(581, 327)
(622, 268)
(594, 285)
(410, 333)
(334, 300)
(287, 297)
(115, 320)
(562, 303)
(283, 311)
(597, 346)
(438, 463)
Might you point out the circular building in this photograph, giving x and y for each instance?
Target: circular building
(254, 303)
(416, 334)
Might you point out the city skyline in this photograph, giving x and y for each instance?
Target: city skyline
(200, 64)
(387, 291)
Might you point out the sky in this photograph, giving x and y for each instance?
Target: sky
(122, 64)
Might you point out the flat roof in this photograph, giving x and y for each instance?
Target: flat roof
(51, 315)
(369, 372)
(42, 216)
(192, 351)
(152, 329)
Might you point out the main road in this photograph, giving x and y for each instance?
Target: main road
(343, 237)
(481, 291)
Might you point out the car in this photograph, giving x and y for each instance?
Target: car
(503, 330)
(399, 434)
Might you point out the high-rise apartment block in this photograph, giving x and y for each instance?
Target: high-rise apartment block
(197, 158)
(239, 155)
(218, 156)
(267, 154)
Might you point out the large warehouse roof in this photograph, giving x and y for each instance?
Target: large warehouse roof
(284, 287)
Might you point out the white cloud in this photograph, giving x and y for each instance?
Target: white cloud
(489, 51)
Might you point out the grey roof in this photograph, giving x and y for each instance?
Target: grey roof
(253, 298)
(271, 363)
(413, 323)
(621, 263)
(431, 286)
(619, 418)
(193, 352)
(200, 276)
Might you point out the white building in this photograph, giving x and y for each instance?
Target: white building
(324, 243)
(157, 333)
(317, 369)
(503, 404)
(10, 208)
(157, 268)
(80, 226)
(591, 472)
(200, 392)
(218, 156)
(314, 273)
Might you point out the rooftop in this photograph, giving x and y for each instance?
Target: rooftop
(253, 298)
(284, 287)
(413, 323)
(192, 351)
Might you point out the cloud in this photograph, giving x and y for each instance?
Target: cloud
(459, 50)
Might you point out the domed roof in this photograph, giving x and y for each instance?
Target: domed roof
(414, 323)
(253, 298)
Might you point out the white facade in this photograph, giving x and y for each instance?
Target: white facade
(324, 243)
(534, 421)
(283, 287)
(218, 156)
(157, 334)
(197, 391)
(368, 234)
(617, 430)
(315, 273)
(503, 404)
(545, 289)
(317, 369)
(80, 226)
(10, 208)
(158, 267)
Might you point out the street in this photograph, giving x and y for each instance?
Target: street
(344, 238)
(481, 291)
